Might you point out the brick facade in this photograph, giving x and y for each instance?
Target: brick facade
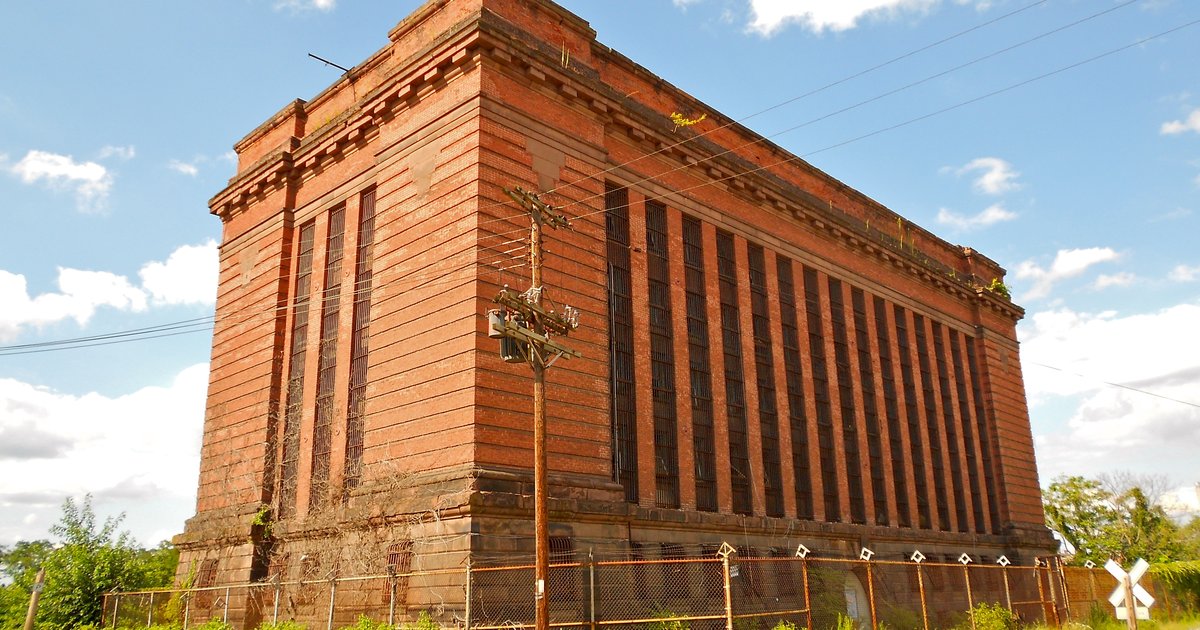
(880, 402)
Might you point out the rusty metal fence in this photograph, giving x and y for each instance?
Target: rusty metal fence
(724, 591)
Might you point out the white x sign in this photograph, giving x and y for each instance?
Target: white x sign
(1143, 600)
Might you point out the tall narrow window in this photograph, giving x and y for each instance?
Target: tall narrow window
(764, 370)
(356, 401)
(820, 380)
(841, 358)
(327, 359)
(699, 370)
(797, 416)
(866, 376)
(662, 359)
(951, 425)
(913, 415)
(891, 407)
(964, 412)
(735, 388)
(620, 347)
(931, 424)
(290, 461)
(985, 437)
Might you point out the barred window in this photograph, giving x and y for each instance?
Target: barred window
(662, 359)
(699, 372)
(866, 378)
(985, 437)
(964, 412)
(892, 411)
(620, 334)
(294, 410)
(931, 424)
(764, 365)
(952, 450)
(797, 415)
(318, 494)
(356, 401)
(820, 380)
(841, 357)
(735, 403)
(913, 415)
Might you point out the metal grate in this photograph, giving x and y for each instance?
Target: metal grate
(841, 357)
(913, 415)
(662, 359)
(294, 410)
(891, 407)
(985, 438)
(820, 380)
(931, 424)
(318, 494)
(866, 379)
(964, 412)
(356, 399)
(952, 450)
(703, 440)
(797, 416)
(764, 369)
(620, 335)
(735, 387)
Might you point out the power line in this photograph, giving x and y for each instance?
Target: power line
(1116, 385)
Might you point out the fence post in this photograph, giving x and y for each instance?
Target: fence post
(1004, 562)
(919, 557)
(867, 554)
(725, 552)
(116, 607)
(275, 603)
(332, 598)
(225, 612)
(187, 608)
(966, 562)
(467, 606)
(1037, 575)
(807, 598)
(591, 589)
(391, 595)
(1062, 585)
(150, 612)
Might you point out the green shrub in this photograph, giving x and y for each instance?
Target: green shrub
(213, 624)
(845, 622)
(424, 622)
(366, 623)
(900, 618)
(281, 625)
(992, 617)
(784, 625)
(667, 620)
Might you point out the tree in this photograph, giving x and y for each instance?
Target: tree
(87, 560)
(1111, 518)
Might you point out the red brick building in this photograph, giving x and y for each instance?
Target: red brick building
(767, 354)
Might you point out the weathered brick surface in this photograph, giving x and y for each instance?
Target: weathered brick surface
(468, 98)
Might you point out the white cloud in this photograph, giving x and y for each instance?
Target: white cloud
(188, 276)
(1156, 352)
(1068, 263)
(1174, 127)
(90, 181)
(79, 294)
(997, 177)
(184, 168)
(1184, 273)
(123, 153)
(1122, 279)
(818, 16)
(683, 4)
(993, 214)
(143, 445)
(306, 5)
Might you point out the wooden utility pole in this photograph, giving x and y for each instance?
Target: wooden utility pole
(525, 329)
(38, 584)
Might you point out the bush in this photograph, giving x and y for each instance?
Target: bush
(282, 625)
(992, 617)
(213, 624)
(366, 623)
(424, 622)
(666, 620)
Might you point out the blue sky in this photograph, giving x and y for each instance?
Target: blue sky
(117, 121)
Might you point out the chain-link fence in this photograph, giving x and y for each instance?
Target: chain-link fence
(723, 591)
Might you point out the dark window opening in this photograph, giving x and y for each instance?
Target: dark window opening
(294, 409)
(356, 400)
(964, 412)
(662, 359)
(845, 386)
(764, 369)
(936, 462)
(699, 371)
(620, 334)
(948, 419)
(866, 376)
(797, 415)
(891, 407)
(735, 399)
(318, 494)
(913, 415)
(820, 380)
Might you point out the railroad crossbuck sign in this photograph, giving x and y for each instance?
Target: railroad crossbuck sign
(1142, 600)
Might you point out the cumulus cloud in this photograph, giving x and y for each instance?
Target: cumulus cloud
(993, 214)
(1175, 127)
(1068, 263)
(90, 181)
(1184, 273)
(122, 153)
(28, 441)
(183, 168)
(79, 294)
(996, 176)
(306, 5)
(1075, 355)
(1104, 281)
(818, 16)
(188, 276)
(139, 445)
